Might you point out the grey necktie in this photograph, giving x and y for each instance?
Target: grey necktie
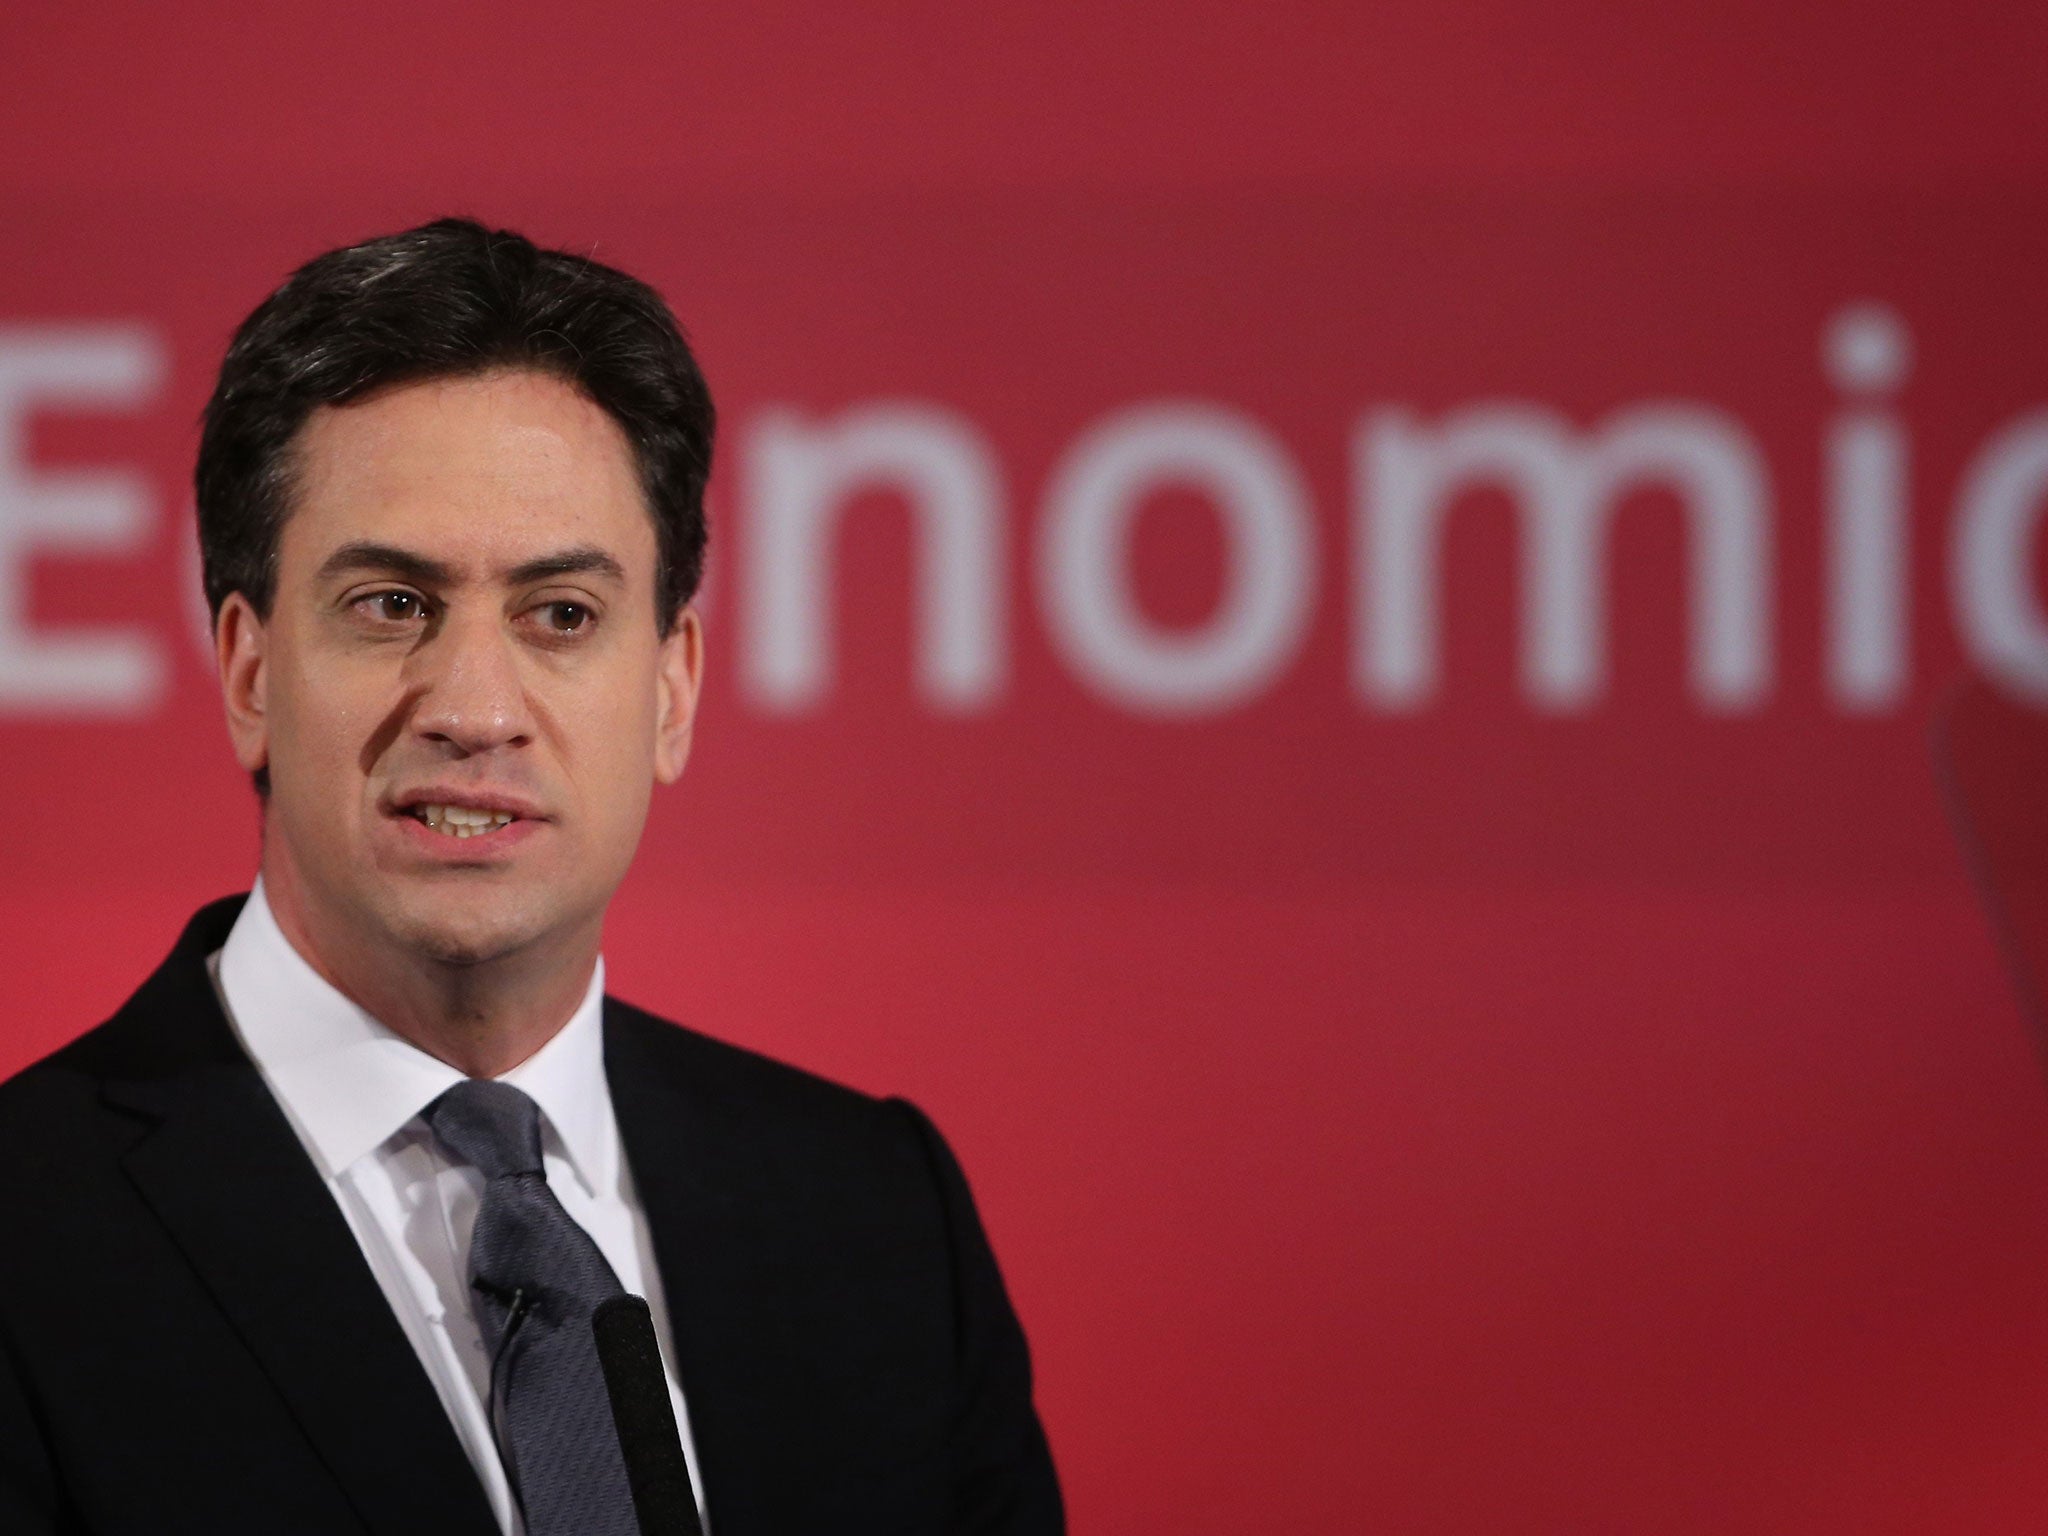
(535, 1277)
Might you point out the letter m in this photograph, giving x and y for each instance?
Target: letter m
(1565, 485)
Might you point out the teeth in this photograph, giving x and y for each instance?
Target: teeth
(460, 820)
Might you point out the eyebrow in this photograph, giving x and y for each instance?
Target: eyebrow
(567, 562)
(367, 555)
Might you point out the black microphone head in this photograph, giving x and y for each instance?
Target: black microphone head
(623, 1326)
(656, 1471)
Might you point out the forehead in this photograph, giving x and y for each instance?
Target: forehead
(495, 466)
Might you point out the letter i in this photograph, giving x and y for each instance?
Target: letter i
(1868, 353)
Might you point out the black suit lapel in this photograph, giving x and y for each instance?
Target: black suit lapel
(227, 1176)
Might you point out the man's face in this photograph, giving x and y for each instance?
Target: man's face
(461, 692)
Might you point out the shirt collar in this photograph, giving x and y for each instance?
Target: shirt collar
(348, 1084)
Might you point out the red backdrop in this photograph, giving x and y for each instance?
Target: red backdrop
(1361, 736)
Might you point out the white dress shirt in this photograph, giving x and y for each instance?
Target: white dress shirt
(353, 1091)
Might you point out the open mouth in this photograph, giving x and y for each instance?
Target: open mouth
(459, 820)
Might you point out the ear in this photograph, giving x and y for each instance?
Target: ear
(241, 654)
(679, 676)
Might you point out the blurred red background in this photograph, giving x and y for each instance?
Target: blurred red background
(1408, 1100)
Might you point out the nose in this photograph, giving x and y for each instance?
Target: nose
(468, 692)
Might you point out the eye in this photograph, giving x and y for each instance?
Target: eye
(566, 618)
(399, 607)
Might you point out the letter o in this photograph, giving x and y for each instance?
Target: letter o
(1998, 515)
(1084, 558)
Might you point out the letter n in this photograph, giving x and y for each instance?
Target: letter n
(799, 474)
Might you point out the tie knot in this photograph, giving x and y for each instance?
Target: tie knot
(491, 1126)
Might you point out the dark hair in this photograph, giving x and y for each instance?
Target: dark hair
(448, 299)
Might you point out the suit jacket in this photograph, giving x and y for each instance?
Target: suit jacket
(190, 1340)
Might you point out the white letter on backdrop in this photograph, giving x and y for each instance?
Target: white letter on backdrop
(799, 474)
(79, 671)
(1566, 484)
(1084, 553)
(1998, 516)
(1868, 353)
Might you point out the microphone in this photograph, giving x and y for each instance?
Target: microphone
(644, 1418)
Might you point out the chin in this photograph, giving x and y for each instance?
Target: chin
(466, 933)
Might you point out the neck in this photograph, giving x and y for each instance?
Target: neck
(483, 1015)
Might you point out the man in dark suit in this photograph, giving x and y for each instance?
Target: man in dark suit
(307, 1238)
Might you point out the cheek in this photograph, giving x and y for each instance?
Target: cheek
(320, 727)
(613, 736)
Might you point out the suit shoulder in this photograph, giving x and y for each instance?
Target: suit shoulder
(646, 1042)
(58, 1084)
(60, 1138)
(161, 1033)
(170, 1025)
(775, 1114)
